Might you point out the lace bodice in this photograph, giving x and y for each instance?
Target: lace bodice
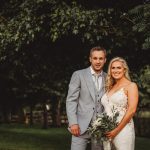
(117, 101)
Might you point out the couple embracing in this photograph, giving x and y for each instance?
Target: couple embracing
(92, 92)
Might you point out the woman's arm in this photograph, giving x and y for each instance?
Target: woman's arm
(132, 105)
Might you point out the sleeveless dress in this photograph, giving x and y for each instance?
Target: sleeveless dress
(126, 137)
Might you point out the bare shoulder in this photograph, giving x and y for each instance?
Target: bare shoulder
(132, 93)
(132, 87)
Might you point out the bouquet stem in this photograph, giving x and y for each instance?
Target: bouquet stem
(108, 145)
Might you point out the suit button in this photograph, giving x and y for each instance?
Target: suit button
(98, 100)
(93, 108)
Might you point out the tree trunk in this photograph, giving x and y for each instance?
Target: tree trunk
(21, 115)
(58, 115)
(31, 115)
(6, 115)
(45, 117)
(56, 120)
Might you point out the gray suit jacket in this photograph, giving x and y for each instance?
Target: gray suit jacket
(80, 103)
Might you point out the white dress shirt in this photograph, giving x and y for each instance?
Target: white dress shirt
(99, 77)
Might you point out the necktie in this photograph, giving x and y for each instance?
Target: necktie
(96, 81)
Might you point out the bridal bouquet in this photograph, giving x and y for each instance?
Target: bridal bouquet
(103, 124)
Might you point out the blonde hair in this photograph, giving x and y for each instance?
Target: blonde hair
(109, 79)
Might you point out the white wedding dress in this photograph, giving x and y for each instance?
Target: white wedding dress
(126, 137)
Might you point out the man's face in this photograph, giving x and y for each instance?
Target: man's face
(97, 60)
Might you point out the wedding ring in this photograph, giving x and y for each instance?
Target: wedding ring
(110, 140)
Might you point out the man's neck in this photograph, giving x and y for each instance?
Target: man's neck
(96, 71)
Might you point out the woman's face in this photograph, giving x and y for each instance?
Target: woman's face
(117, 70)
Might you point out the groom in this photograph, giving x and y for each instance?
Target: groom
(83, 102)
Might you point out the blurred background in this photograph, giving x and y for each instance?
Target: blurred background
(42, 42)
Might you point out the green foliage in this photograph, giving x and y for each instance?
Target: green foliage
(145, 85)
(141, 18)
(32, 30)
(90, 25)
(48, 18)
(143, 81)
(21, 24)
(22, 27)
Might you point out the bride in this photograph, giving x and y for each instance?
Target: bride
(121, 95)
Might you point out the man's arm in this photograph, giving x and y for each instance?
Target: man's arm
(72, 103)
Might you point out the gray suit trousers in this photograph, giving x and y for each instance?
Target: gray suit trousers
(80, 142)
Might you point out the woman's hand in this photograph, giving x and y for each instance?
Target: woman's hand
(111, 134)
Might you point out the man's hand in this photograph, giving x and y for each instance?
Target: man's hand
(75, 129)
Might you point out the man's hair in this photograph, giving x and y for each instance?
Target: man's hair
(98, 48)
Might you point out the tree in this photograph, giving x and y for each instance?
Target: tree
(34, 35)
(141, 20)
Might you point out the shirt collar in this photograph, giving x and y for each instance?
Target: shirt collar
(93, 72)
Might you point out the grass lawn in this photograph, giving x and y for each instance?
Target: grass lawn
(20, 137)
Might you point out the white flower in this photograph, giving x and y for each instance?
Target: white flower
(97, 122)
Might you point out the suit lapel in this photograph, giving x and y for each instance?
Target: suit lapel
(89, 82)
